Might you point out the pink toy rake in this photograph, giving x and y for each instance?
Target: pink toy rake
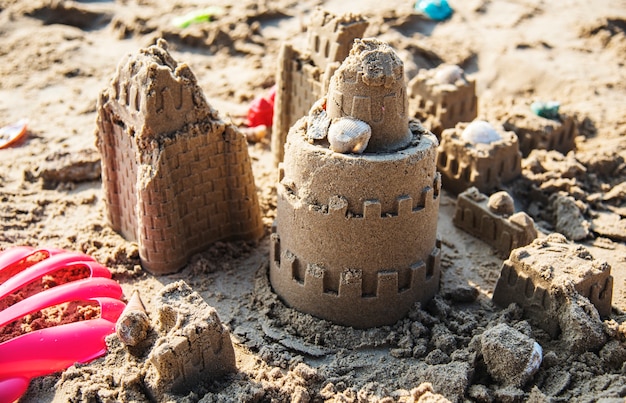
(44, 351)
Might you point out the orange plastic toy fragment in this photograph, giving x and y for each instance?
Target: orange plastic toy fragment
(11, 134)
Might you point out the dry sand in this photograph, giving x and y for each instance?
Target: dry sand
(57, 56)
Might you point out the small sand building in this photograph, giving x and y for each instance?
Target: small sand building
(478, 154)
(543, 276)
(355, 235)
(442, 97)
(176, 177)
(493, 220)
(539, 133)
(303, 75)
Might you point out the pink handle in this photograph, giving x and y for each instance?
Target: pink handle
(55, 348)
(75, 291)
(12, 388)
(56, 262)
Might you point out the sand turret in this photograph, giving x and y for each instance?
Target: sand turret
(355, 236)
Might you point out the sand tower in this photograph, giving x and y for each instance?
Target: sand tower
(176, 177)
(442, 97)
(478, 154)
(303, 76)
(355, 236)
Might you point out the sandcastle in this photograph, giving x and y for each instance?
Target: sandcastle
(493, 220)
(442, 97)
(355, 238)
(303, 76)
(478, 154)
(192, 345)
(176, 177)
(543, 276)
(540, 133)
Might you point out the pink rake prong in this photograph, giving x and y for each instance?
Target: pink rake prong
(12, 388)
(12, 256)
(54, 263)
(55, 348)
(74, 291)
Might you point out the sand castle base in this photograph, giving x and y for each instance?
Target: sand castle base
(355, 236)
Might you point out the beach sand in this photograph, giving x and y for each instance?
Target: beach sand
(58, 56)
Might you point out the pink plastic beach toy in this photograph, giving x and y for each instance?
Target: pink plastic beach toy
(52, 349)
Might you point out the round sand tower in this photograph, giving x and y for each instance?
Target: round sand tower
(355, 235)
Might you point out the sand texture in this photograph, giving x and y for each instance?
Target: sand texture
(58, 57)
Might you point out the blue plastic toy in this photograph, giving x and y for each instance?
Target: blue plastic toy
(437, 10)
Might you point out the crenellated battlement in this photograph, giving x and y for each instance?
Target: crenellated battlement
(337, 207)
(323, 290)
(504, 231)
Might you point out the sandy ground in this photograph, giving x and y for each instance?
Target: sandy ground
(57, 56)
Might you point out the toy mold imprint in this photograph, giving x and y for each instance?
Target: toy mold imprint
(478, 154)
(355, 238)
(176, 177)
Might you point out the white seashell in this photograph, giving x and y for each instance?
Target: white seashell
(349, 135)
(534, 361)
(449, 74)
(480, 132)
(318, 121)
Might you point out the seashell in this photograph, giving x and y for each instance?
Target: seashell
(133, 324)
(349, 135)
(318, 121)
(534, 361)
(501, 203)
(480, 132)
(449, 74)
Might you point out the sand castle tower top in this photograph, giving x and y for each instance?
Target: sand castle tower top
(330, 37)
(370, 86)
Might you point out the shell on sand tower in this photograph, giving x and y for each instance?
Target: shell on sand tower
(370, 86)
(355, 238)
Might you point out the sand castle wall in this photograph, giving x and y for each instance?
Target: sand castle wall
(464, 164)
(303, 76)
(442, 100)
(539, 133)
(502, 231)
(176, 177)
